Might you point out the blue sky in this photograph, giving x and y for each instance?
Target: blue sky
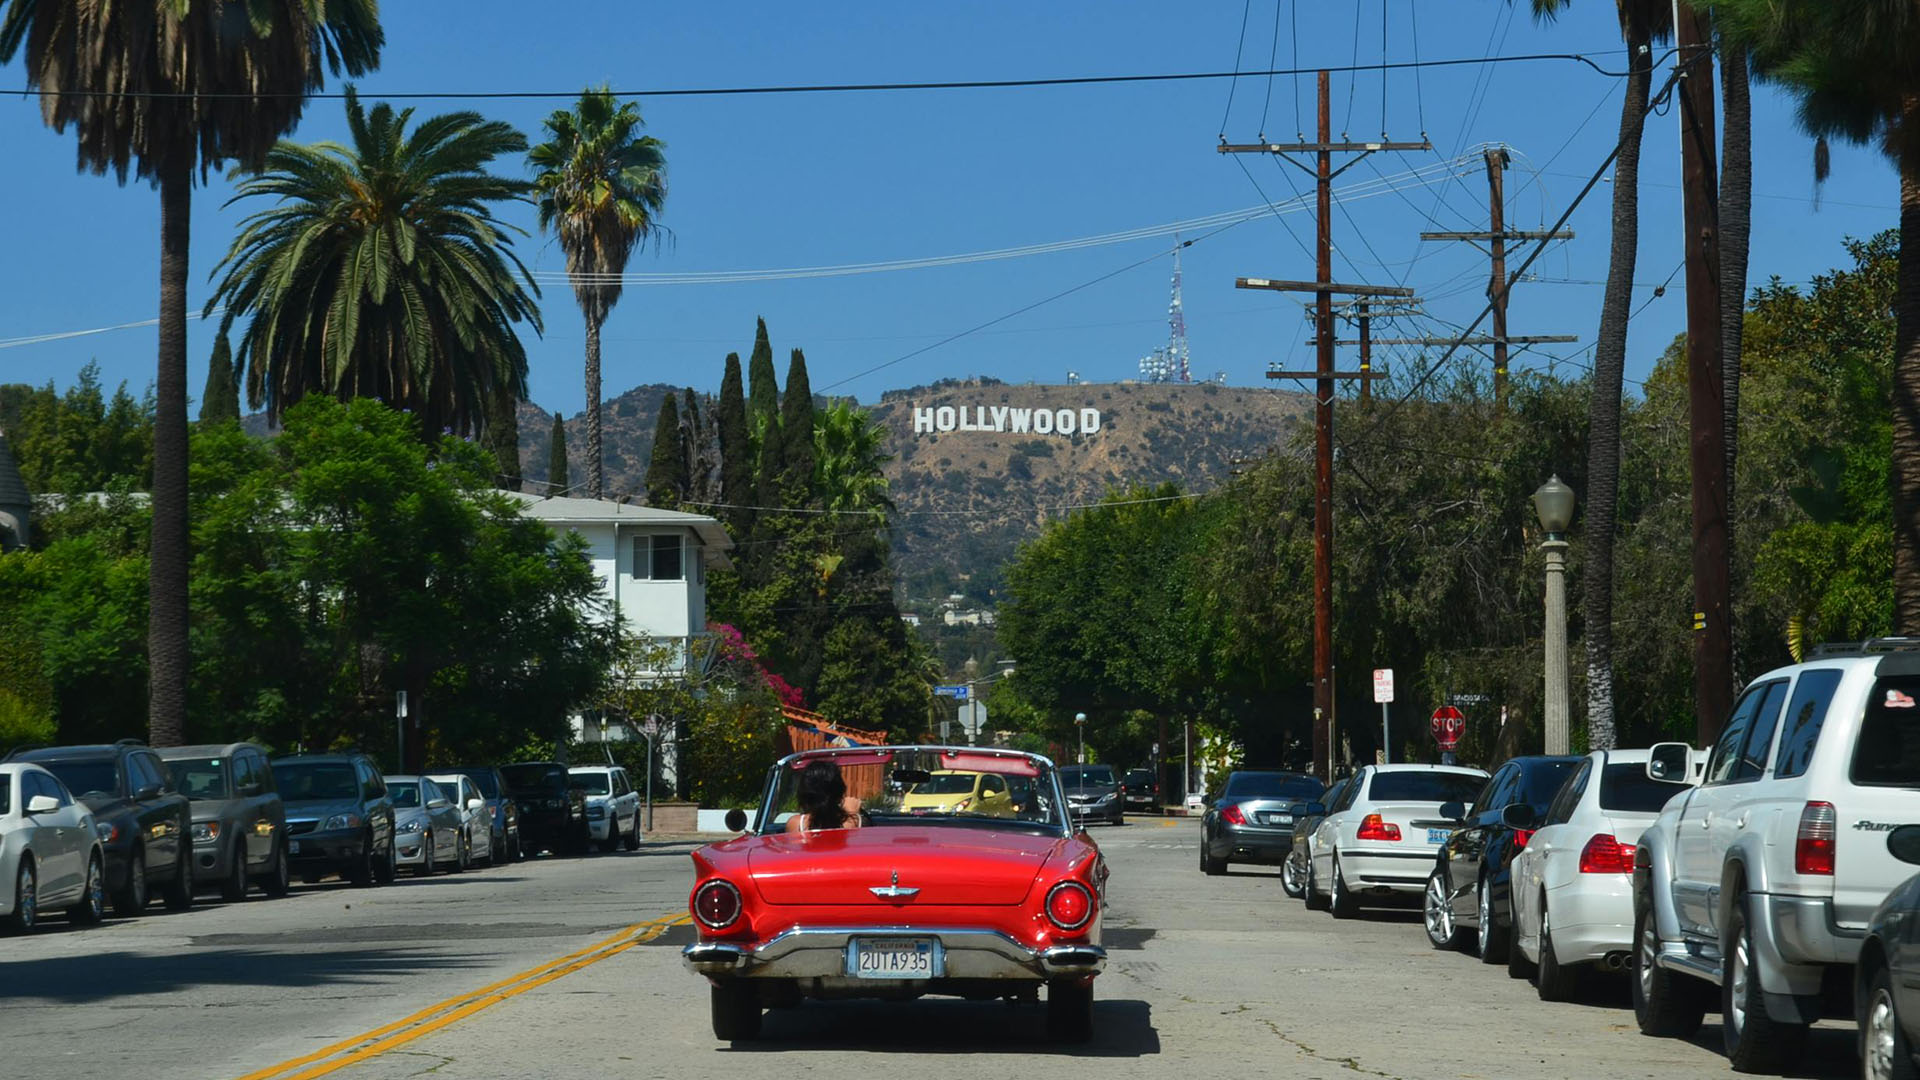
(791, 181)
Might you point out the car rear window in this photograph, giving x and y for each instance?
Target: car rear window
(535, 776)
(85, 778)
(1888, 751)
(1434, 787)
(1255, 785)
(303, 781)
(1628, 789)
(1539, 781)
(1140, 778)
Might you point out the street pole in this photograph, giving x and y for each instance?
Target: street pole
(1497, 286)
(1080, 721)
(1559, 720)
(1386, 740)
(400, 730)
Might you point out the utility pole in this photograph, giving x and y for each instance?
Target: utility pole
(1699, 182)
(1498, 287)
(1323, 287)
(1361, 312)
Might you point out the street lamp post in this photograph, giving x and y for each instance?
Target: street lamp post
(1553, 502)
(1080, 721)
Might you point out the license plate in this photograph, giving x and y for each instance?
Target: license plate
(1437, 836)
(1276, 819)
(293, 847)
(893, 958)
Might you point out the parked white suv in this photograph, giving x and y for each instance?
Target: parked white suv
(1761, 880)
(613, 806)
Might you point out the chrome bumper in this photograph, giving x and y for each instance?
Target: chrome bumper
(966, 953)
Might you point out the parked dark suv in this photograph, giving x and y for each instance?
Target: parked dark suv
(142, 822)
(239, 822)
(1143, 791)
(553, 810)
(506, 812)
(339, 818)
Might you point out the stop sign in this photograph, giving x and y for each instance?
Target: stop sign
(1448, 724)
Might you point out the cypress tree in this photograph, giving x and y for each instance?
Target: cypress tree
(557, 459)
(763, 394)
(693, 449)
(502, 437)
(796, 433)
(736, 450)
(667, 471)
(221, 401)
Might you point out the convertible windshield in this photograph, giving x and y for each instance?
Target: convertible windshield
(925, 786)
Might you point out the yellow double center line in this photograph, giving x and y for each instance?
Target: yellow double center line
(373, 1043)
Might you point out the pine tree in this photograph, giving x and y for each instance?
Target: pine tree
(221, 401)
(736, 451)
(557, 459)
(667, 471)
(796, 434)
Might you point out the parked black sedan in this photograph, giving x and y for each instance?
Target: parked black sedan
(1252, 820)
(1886, 979)
(1473, 871)
(339, 818)
(553, 808)
(1306, 818)
(142, 822)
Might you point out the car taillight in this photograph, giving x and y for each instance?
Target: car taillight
(1606, 855)
(1232, 815)
(716, 904)
(1520, 838)
(1373, 828)
(1813, 845)
(1069, 905)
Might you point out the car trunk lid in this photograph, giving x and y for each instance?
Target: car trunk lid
(947, 865)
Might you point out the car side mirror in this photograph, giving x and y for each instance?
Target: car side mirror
(474, 804)
(1903, 843)
(42, 804)
(1518, 816)
(1454, 811)
(736, 820)
(438, 804)
(150, 791)
(1670, 763)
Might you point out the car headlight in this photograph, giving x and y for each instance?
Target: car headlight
(412, 825)
(556, 804)
(206, 832)
(597, 810)
(342, 821)
(107, 831)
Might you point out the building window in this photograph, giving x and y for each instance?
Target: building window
(657, 558)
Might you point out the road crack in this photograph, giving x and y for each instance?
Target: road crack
(1349, 1063)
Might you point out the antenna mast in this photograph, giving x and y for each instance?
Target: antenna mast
(1177, 358)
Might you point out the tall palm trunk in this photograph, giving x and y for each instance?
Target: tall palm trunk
(1906, 392)
(596, 474)
(1736, 224)
(1603, 411)
(167, 568)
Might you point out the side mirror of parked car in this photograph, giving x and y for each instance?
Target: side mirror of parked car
(437, 804)
(150, 791)
(1669, 763)
(736, 820)
(42, 804)
(474, 804)
(1518, 816)
(1903, 843)
(1453, 811)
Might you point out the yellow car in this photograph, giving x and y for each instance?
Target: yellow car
(951, 792)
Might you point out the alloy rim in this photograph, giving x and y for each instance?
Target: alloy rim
(28, 898)
(1649, 950)
(96, 890)
(1486, 916)
(1339, 884)
(139, 880)
(1880, 1037)
(1439, 918)
(1290, 875)
(1737, 1009)
(1545, 944)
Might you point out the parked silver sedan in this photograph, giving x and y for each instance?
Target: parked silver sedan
(476, 820)
(49, 856)
(426, 826)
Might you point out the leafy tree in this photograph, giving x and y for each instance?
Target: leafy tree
(221, 401)
(557, 459)
(164, 88)
(736, 451)
(602, 186)
(381, 272)
(849, 456)
(502, 438)
(796, 434)
(667, 469)
(697, 446)
(80, 611)
(81, 440)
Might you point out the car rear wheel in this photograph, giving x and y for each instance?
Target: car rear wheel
(1313, 900)
(234, 889)
(1884, 1052)
(1755, 1041)
(26, 900)
(612, 843)
(1342, 903)
(1209, 865)
(93, 902)
(1070, 1011)
(278, 881)
(1665, 1005)
(1437, 913)
(632, 836)
(1555, 981)
(131, 899)
(462, 858)
(1492, 936)
(178, 895)
(1518, 966)
(736, 1011)
(1292, 881)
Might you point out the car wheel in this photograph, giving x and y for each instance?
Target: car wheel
(736, 1010)
(1437, 913)
(361, 873)
(26, 900)
(178, 895)
(425, 869)
(1518, 966)
(387, 871)
(1755, 1041)
(1664, 1005)
(1884, 1053)
(1342, 903)
(93, 902)
(278, 881)
(1554, 981)
(1070, 1011)
(632, 836)
(1313, 900)
(462, 857)
(1292, 882)
(612, 842)
(234, 889)
(131, 898)
(1492, 936)
(1209, 865)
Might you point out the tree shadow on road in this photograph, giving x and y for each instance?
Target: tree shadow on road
(1121, 1028)
(108, 976)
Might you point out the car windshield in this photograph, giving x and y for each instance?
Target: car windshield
(1541, 782)
(405, 793)
(535, 777)
(199, 778)
(931, 786)
(594, 783)
(1079, 776)
(301, 781)
(483, 779)
(1423, 786)
(84, 777)
(1267, 785)
(1628, 788)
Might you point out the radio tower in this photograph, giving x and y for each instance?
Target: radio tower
(1177, 359)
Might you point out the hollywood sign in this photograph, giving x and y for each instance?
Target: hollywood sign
(1005, 418)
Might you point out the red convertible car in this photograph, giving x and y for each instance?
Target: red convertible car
(992, 894)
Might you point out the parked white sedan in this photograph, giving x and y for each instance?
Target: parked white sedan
(49, 854)
(1572, 890)
(1380, 840)
(613, 806)
(476, 820)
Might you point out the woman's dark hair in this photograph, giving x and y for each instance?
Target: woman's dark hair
(820, 794)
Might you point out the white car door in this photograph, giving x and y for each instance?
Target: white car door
(1327, 834)
(1696, 862)
(57, 838)
(1545, 854)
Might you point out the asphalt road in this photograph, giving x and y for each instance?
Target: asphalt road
(570, 968)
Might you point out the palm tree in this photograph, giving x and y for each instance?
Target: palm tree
(602, 186)
(1641, 23)
(1851, 64)
(381, 272)
(163, 87)
(848, 460)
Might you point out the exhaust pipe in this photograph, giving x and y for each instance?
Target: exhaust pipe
(1616, 961)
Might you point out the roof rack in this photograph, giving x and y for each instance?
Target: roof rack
(1870, 647)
